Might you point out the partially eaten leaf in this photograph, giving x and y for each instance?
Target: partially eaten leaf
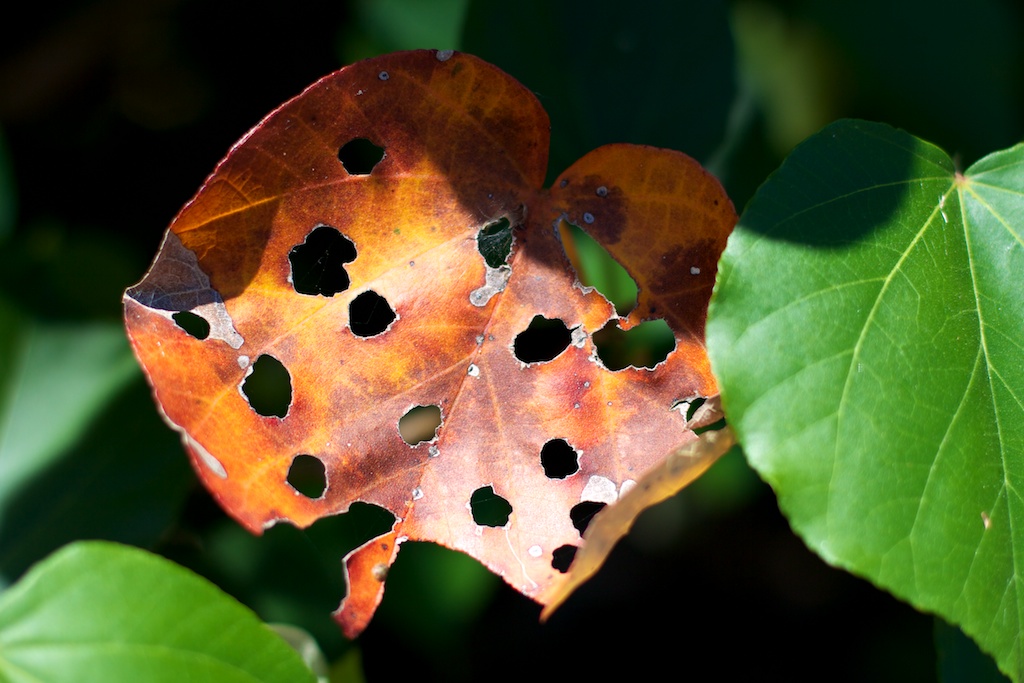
(435, 257)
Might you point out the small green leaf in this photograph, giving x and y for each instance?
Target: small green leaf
(96, 611)
(867, 332)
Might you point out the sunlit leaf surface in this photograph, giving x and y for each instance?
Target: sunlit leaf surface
(97, 612)
(867, 330)
(351, 257)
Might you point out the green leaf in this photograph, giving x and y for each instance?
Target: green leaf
(866, 330)
(101, 612)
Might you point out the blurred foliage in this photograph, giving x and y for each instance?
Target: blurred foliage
(8, 192)
(644, 72)
(381, 26)
(960, 659)
(113, 112)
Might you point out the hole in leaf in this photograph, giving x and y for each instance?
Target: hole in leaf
(369, 314)
(268, 388)
(596, 268)
(325, 543)
(691, 410)
(542, 341)
(318, 264)
(643, 346)
(559, 459)
(488, 508)
(713, 427)
(495, 242)
(308, 476)
(334, 535)
(582, 513)
(420, 424)
(359, 156)
(562, 557)
(195, 325)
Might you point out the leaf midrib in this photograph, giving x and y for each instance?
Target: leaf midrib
(991, 369)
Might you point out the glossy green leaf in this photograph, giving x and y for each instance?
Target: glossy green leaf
(867, 332)
(101, 612)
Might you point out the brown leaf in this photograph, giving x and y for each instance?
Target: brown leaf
(613, 522)
(387, 172)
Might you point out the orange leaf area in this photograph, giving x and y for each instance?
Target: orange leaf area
(339, 252)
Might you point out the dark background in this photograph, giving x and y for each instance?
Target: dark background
(113, 112)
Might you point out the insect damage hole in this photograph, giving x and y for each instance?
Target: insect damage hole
(643, 346)
(420, 424)
(596, 268)
(559, 459)
(363, 522)
(562, 557)
(308, 476)
(318, 264)
(689, 409)
(268, 388)
(195, 325)
(360, 156)
(494, 241)
(582, 513)
(369, 314)
(542, 341)
(488, 508)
